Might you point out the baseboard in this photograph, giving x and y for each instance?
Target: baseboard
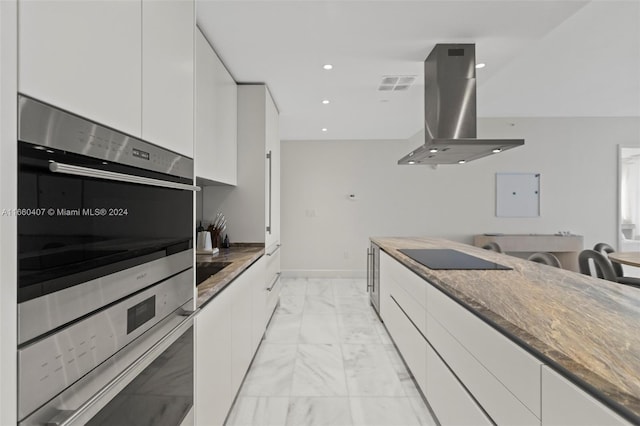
(323, 273)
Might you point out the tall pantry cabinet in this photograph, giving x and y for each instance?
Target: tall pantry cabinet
(253, 206)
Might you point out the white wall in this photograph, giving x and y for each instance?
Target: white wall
(324, 231)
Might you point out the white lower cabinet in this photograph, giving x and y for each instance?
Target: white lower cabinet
(564, 404)
(213, 395)
(259, 303)
(386, 283)
(272, 279)
(241, 347)
(498, 401)
(410, 343)
(449, 400)
(226, 343)
(511, 365)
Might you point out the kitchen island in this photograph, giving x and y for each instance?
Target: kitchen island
(533, 344)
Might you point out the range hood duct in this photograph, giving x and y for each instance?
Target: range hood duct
(450, 110)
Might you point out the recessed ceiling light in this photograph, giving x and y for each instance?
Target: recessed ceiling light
(50, 152)
(39, 148)
(326, 101)
(433, 150)
(481, 65)
(324, 129)
(327, 67)
(497, 150)
(461, 162)
(412, 162)
(411, 154)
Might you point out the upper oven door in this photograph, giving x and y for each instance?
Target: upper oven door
(92, 201)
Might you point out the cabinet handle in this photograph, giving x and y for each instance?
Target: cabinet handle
(274, 250)
(274, 282)
(69, 169)
(269, 157)
(369, 269)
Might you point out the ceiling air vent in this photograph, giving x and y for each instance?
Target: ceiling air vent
(396, 83)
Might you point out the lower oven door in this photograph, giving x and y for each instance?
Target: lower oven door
(149, 382)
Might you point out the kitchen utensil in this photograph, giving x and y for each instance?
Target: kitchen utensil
(204, 241)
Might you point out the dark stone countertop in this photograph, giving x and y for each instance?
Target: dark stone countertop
(241, 256)
(585, 328)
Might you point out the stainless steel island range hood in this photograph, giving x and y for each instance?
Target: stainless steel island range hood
(450, 110)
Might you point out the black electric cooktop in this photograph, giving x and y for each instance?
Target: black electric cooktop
(450, 259)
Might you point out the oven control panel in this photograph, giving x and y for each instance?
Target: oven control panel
(45, 125)
(48, 366)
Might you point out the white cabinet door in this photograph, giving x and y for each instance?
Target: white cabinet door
(216, 147)
(412, 346)
(241, 327)
(387, 283)
(449, 400)
(225, 136)
(168, 29)
(564, 404)
(496, 399)
(258, 303)
(515, 368)
(213, 396)
(205, 93)
(272, 144)
(83, 57)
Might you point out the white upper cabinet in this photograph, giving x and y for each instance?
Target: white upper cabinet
(125, 64)
(216, 147)
(83, 57)
(168, 28)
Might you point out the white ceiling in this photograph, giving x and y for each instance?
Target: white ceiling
(544, 58)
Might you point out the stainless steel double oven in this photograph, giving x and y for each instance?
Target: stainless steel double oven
(105, 274)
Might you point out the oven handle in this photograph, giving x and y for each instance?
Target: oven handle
(111, 389)
(70, 169)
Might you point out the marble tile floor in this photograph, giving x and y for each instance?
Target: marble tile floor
(326, 359)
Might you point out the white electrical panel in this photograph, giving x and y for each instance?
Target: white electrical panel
(517, 194)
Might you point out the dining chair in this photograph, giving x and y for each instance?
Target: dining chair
(605, 249)
(602, 265)
(603, 268)
(493, 246)
(546, 259)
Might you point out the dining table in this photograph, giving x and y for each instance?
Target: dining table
(631, 258)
